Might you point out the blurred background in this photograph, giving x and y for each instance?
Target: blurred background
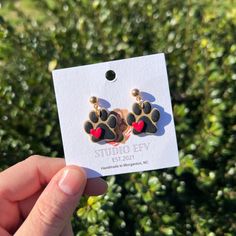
(199, 39)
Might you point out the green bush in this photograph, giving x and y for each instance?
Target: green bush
(198, 37)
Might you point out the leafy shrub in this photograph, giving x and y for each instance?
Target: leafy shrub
(198, 37)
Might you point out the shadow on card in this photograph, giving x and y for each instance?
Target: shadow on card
(147, 96)
(92, 173)
(104, 103)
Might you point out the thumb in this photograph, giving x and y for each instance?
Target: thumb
(56, 204)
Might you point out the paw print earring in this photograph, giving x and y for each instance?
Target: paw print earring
(143, 117)
(101, 124)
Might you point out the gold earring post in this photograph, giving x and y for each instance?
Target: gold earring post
(94, 100)
(136, 94)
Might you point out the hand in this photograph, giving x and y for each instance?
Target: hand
(38, 196)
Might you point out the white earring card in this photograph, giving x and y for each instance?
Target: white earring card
(112, 83)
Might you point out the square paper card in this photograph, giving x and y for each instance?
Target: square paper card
(112, 83)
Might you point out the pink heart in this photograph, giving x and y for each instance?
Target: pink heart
(138, 126)
(96, 132)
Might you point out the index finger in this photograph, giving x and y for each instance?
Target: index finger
(27, 177)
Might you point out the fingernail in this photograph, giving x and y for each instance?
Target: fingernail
(72, 181)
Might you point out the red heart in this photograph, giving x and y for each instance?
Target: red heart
(138, 126)
(96, 132)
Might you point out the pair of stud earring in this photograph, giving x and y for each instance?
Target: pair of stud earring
(103, 125)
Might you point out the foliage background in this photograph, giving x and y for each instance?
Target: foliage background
(198, 37)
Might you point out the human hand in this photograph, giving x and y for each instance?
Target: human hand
(38, 196)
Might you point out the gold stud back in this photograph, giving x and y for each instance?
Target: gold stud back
(135, 92)
(93, 100)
